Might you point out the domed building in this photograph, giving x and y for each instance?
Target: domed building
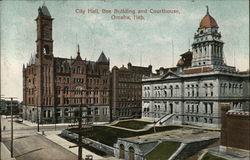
(202, 81)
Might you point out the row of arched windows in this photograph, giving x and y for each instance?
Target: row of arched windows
(231, 88)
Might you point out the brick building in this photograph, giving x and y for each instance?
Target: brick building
(54, 87)
(235, 128)
(127, 91)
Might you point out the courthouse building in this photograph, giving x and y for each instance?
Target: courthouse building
(54, 87)
(192, 92)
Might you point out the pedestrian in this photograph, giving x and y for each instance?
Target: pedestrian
(4, 128)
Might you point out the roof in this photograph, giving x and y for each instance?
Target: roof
(186, 59)
(238, 113)
(188, 53)
(208, 21)
(44, 10)
(123, 68)
(180, 62)
(103, 58)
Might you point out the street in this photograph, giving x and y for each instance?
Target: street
(29, 145)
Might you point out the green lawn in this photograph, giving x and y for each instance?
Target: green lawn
(163, 151)
(108, 135)
(209, 156)
(132, 124)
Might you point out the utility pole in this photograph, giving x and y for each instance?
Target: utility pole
(82, 117)
(55, 116)
(1, 126)
(80, 135)
(1, 119)
(37, 119)
(11, 110)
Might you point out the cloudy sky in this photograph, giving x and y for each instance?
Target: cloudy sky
(144, 42)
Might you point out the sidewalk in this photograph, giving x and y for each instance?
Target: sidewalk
(28, 123)
(5, 153)
(65, 144)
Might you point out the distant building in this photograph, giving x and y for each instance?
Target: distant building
(6, 107)
(127, 91)
(192, 93)
(55, 87)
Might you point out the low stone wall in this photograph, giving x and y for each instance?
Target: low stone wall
(101, 147)
(193, 147)
(95, 144)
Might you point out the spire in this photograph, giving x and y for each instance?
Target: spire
(207, 10)
(78, 50)
(208, 21)
(44, 10)
(103, 58)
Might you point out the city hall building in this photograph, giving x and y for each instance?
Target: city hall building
(54, 87)
(191, 93)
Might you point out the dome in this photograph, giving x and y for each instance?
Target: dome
(208, 21)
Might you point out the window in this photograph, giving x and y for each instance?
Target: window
(44, 114)
(211, 88)
(49, 114)
(171, 91)
(78, 70)
(197, 90)
(66, 90)
(210, 120)
(205, 104)
(205, 119)
(196, 119)
(211, 108)
(66, 112)
(165, 93)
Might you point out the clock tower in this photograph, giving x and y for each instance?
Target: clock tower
(44, 40)
(44, 59)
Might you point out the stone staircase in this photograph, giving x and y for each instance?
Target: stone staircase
(166, 119)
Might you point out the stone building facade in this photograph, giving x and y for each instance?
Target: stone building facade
(202, 81)
(127, 91)
(54, 87)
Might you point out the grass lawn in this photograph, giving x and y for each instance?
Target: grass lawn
(209, 156)
(163, 151)
(132, 124)
(108, 135)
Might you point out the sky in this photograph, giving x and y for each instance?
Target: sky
(158, 40)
